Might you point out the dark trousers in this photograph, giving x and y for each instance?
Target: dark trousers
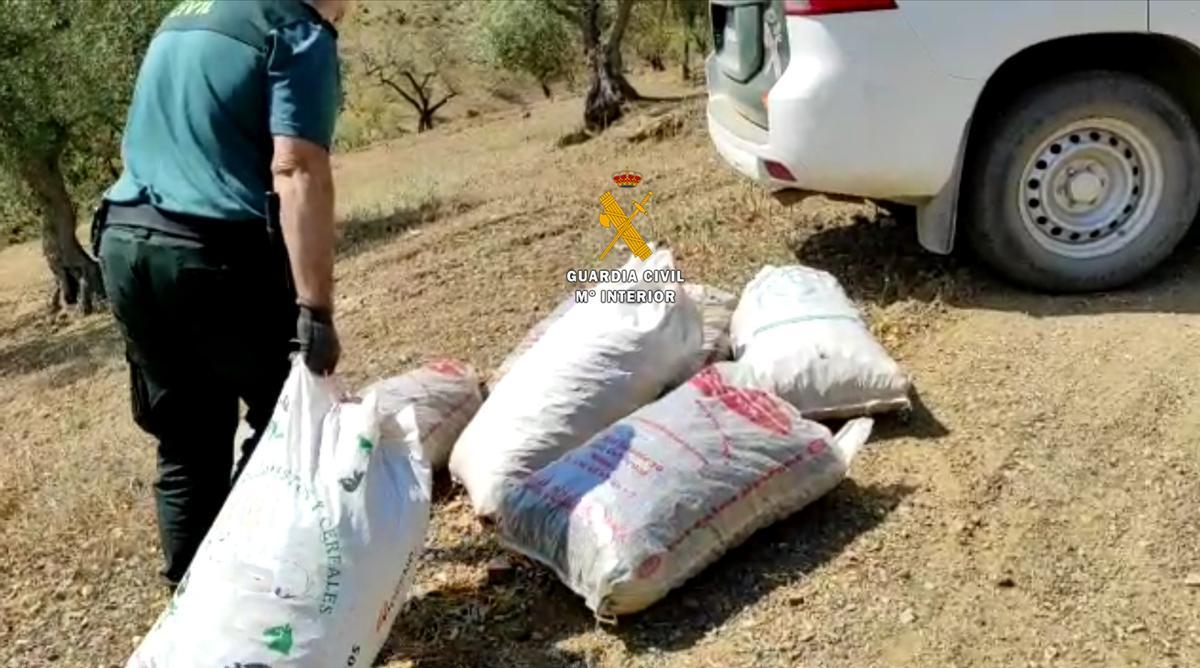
(205, 324)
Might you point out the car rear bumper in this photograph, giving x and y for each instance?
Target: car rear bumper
(744, 145)
(859, 110)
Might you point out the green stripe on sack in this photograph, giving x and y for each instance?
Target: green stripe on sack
(805, 318)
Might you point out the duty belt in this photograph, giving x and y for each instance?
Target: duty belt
(245, 233)
(190, 227)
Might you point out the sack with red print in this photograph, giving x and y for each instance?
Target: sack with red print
(599, 363)
(658, 496)
(444, 394)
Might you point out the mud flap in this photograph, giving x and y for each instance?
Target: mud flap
(937, 219)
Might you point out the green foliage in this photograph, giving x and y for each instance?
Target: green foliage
(652, 30)
(66, 75)
(526, 36)
(18, 220)
(659, 29)
(693, 15)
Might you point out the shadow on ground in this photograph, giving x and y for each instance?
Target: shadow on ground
(72, 352)
(878, 260)
(358, 234)
(518, 622)
(22, 322)
(917, 423)
(776, 556)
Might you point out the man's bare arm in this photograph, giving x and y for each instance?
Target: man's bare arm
(304, 181)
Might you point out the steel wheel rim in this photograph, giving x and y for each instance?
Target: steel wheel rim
(1090, 188)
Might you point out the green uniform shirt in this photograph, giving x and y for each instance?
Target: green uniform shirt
(220, 78)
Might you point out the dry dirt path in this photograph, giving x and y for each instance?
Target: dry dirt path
(1039, 509)
(1053, 524)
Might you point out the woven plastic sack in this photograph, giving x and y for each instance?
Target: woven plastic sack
(801, 337)
(658, 496)
(540, 328)
(445, 395)
(534, 334)
(313, 553)
(597, 364)
(716, 309)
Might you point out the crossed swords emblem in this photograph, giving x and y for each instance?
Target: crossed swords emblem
(614, 217)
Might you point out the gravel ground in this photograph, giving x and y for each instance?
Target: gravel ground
(1037, 509)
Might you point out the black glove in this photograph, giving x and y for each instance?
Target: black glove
(318, 340)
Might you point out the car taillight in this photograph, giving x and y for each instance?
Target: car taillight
(816, 7)
(778, 170)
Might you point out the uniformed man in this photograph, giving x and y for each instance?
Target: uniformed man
(228, 135)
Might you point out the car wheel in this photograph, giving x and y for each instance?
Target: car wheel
(1084, 182)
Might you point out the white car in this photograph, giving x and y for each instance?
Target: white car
(1058, 137)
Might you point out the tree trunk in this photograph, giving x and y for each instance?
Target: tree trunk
(687, 53)
(612, 50)
(425, 122)
(77, 278)
(701, 49)
(656, 63)
(606, 95)
(546, 90)
(604, 101)
(602, 105)
(615, 64)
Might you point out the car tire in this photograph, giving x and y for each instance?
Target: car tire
(1084, 182)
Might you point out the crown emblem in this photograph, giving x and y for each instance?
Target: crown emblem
(627, 179)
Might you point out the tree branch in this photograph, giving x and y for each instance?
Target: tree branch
(418, 87)
(444, 100)
(375, 69)
(565, 9)
(617, 33)
(399, 89)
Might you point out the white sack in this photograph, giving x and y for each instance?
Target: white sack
(534, 334)
(716, 309)
(802, 338)
(597, 364)
(658, 496)
(539, 328)
(313, 553)
(445, 395)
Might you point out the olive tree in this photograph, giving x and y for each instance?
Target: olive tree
(652, 32)
(66, 74)
(601, 25)
(692, 15)
(526, 36)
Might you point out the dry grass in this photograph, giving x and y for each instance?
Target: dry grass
(455, 242)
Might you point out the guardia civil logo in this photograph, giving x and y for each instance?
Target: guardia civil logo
(637, 281)
(613, 216)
